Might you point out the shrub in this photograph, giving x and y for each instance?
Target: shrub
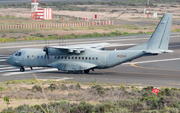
(99, 89)
(177, 105)
(53, 87)
(151, 101)
(85, 107)
(1, 88)
(37, 88)
(169, 110)
(63, 87)
(4, 35)
(78, 86)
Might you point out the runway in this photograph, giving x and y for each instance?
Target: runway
(160, 70)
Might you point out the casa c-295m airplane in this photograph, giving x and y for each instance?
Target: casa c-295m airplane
(79, 58)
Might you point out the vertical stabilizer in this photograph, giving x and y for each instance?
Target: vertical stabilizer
(160, 38)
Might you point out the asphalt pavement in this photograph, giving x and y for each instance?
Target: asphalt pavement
(160, 70)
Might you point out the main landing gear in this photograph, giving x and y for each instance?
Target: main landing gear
(74, 72)
(22, 69)
(78, 72)
(86, 71)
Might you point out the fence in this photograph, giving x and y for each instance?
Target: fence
(56, 25)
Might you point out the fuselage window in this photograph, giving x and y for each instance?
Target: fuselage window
(79, 58)
(58, 57)
(68, 57)
(37, 56)
(96, 58)
(62, 57)
(55, 57)
(89, 58)
(28, 56)
(41, 56)
(75, 57)
(65, 57)
(72, 57)
(83, 58)
(86, 58)
(93, 58)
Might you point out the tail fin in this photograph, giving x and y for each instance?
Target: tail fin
(159, 40)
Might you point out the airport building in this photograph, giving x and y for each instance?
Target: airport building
(40, 13)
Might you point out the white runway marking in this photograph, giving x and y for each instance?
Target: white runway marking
(17, 69)
(4, 57)
(6, 68)
(152, 61)
(32, 71)
(175, 46)
(79, 43)
(57, 78)
(73, 43)
(2, 60)
(116, 45)
(4, 65)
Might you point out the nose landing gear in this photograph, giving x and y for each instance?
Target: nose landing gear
(22, 69)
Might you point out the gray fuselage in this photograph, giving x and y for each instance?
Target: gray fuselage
(103, 59)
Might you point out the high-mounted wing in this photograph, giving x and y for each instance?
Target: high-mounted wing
(72, 65)
(69, 49)
(81, 48)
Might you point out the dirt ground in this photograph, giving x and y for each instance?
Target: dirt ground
(123, 15)
(122, 12)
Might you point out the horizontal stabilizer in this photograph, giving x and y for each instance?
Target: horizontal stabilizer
(158, 51)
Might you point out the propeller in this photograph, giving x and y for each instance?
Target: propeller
(45, 49)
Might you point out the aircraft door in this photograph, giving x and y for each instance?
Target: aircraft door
(102, 60)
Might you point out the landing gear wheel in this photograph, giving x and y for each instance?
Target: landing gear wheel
(22, 69)
(76, 72)
(70, 72)
(86, 71)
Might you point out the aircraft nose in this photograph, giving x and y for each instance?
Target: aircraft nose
(8, 60)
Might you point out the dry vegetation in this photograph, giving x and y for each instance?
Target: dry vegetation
(74, 97)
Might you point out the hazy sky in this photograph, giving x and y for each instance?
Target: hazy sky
(6, 2)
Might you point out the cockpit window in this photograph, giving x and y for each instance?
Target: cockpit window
(18, 54)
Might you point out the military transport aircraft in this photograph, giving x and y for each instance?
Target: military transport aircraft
(79, 58)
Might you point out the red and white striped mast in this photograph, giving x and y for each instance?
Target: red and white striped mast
(147, 8)
(34, 8)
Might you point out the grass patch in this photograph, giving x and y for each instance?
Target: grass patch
(176, 30)
(70, 36)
